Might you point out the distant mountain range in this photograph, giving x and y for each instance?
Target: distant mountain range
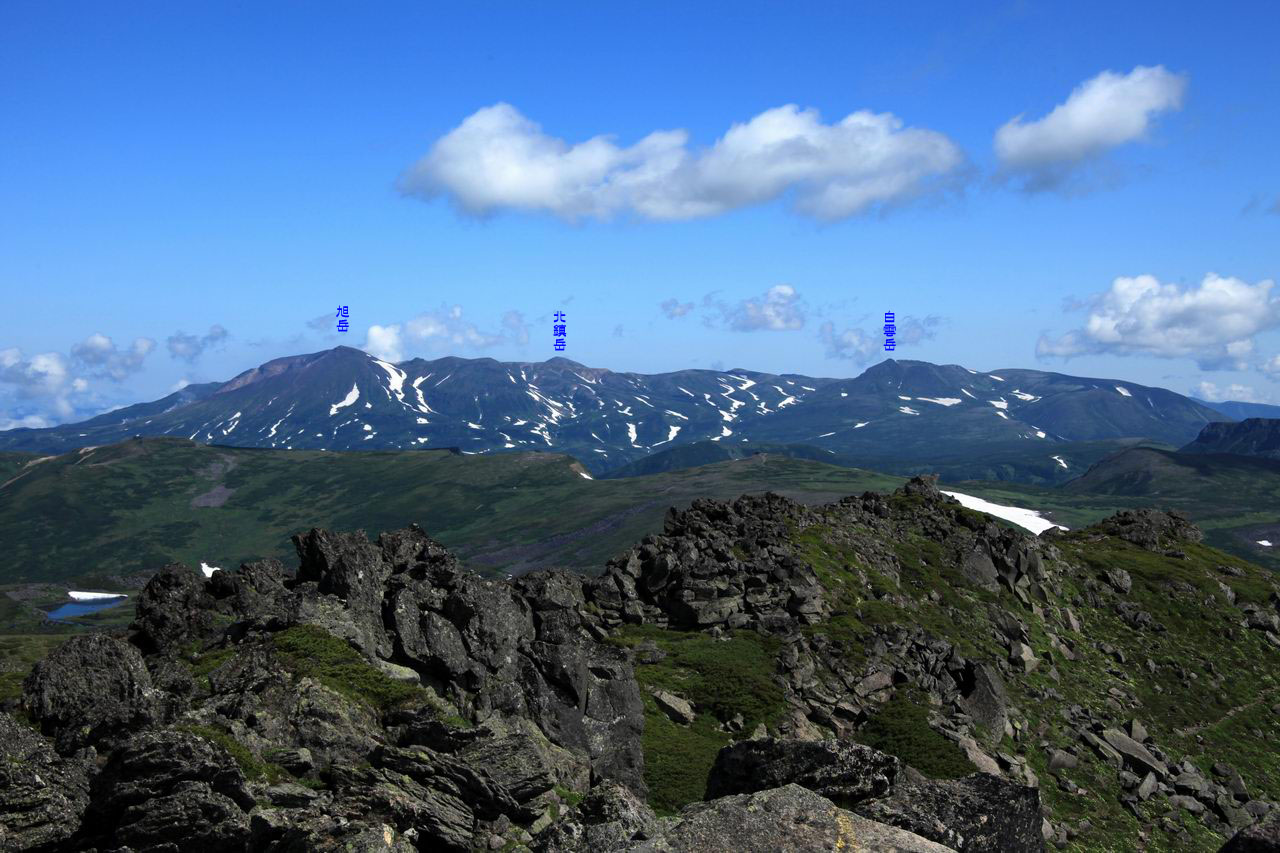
(897, 416)
(1238, 411)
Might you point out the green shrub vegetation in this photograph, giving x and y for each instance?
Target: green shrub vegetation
(901, 728)
(722, 678)
(18, 654)
(313, 652)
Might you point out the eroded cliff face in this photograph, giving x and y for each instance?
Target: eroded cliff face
(381, 697)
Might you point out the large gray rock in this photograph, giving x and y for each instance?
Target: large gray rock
(790, 819)
(1134, 754)
(93, 689)
(42, 796)
(169, 792)
(842, 771)
(984, 698)
(977, 814)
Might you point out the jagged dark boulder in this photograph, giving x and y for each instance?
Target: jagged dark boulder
(522, 650)
(1150, 529)
(42, 795)
(787, 818)
(842, 771)
(718, 563)
(169, 791)
(257, 595)
(174, 608)
(354, 570)
(93, 689)
(977, 814)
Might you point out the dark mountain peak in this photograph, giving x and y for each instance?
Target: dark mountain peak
(277, 366)
(561, 361)
(1250, 437)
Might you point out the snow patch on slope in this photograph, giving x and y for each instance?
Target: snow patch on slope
(1028, 518)
(352, 396)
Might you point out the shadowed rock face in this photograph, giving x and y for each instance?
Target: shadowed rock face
(42, 796)
(842, 771)
(978, 814)
(169, 791)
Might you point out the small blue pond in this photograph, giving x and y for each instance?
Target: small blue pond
(74, 609)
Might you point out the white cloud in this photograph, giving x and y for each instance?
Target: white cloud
(444, 328)
(190, 347)
(674, 308)
(1102, 113)
(28, 422)
(1215, 394)
(778, 310)
(1271, 367)
(384, 342)
(497, 159)
(42, 375)
(179, 385)
(1214, 323)
(99, 355)
(852, 344)
(45, 379)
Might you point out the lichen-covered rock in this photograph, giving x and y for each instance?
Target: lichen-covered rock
(42, 795)
(790, 818)
(92, 689)
(842, 771)
(610, 818)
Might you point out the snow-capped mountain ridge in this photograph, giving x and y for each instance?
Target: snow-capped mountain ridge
(344, 399)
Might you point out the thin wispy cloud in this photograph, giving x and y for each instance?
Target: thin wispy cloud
(189, 348)
(98, 356)
(499, 160)
(673, 308)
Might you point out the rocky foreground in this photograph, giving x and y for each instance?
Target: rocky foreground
(883, 673)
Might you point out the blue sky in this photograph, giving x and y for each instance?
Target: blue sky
(184, 188)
